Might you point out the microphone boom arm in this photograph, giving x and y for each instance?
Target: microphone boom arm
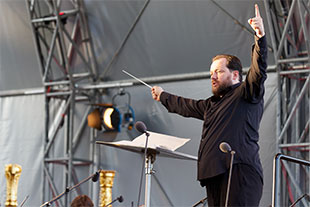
(68, 189)
(120, 199)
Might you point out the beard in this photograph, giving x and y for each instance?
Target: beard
(221, 88)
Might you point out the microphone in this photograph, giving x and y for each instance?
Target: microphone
(119, 199)
(140, 127)
(95, 177)
(225, 147)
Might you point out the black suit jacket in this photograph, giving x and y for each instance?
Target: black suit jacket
(234, 118)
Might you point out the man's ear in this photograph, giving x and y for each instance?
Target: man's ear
(235, 75)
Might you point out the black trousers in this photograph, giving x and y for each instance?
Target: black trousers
(245, 188)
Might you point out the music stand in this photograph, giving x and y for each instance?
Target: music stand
(152, 150)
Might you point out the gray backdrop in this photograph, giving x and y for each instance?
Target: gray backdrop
(172, 37)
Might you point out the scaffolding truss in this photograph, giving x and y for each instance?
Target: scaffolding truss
(66, 57)
(68, 69)
(289, 28)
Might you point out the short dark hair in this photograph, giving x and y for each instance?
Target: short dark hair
(82, 201)
(233, 63)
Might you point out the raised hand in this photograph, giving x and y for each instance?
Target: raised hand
(257, 23)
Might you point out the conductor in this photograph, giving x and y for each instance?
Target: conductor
(231, 115)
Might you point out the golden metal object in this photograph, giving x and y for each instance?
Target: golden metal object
(106, 184)
(12, 174)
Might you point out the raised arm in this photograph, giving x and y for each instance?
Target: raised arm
(257, 74)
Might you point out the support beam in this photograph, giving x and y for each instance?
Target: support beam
(56, 43)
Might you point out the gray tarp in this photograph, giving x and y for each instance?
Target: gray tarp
(172, 37)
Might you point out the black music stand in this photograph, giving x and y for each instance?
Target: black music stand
(152, 151)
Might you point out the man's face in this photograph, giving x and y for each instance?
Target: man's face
(221, 76)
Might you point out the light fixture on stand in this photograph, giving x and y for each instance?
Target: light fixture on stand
(112, 117)
(128, 115)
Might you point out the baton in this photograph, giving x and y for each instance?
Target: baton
(141, 81)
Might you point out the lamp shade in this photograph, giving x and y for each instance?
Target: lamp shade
(94, 119)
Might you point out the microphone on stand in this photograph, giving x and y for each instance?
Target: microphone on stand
(119, 199)
(225, 147)
(140, 127)
(95, 177)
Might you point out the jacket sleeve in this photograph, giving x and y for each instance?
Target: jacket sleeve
(183, 106)
(257, 74)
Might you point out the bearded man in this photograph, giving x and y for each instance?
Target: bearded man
(231, 115)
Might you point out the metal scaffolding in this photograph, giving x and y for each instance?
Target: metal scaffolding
(68, 69)
(289, 25)
(65, 54)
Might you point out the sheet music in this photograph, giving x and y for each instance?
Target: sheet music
(156, 140)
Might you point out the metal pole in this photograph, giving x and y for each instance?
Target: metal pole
(148, 178)
(276, 183)
(276, 175)
(290, 15)
(70, 139)
(293, 110)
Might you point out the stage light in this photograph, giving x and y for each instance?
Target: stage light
(105, 117)
(112, 117)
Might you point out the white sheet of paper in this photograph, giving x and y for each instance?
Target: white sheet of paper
(156, 140)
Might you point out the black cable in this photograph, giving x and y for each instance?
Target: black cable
(118, 51)
(293, 204)
(236, 21)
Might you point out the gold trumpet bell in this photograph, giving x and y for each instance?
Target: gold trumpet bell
(12, 174)
(106, 184)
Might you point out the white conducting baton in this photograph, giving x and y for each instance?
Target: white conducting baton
(141, 81)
